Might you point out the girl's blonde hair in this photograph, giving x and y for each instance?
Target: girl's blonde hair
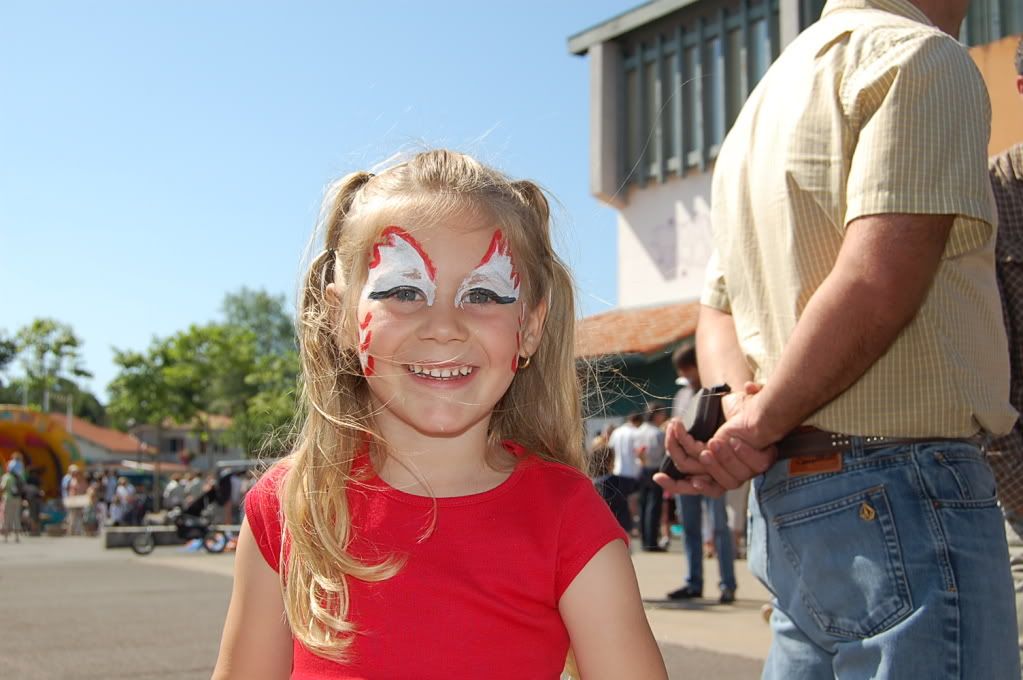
(540, 410)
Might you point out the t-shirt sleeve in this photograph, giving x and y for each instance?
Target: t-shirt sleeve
(263, 512)
(587, 525)
(715, 292)
(923, 118)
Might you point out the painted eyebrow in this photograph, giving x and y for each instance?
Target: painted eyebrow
(506, 280)
(386, 239)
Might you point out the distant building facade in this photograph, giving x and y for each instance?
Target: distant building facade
(202, 442)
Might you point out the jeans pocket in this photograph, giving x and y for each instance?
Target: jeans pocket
(847, 557)
(961, 477)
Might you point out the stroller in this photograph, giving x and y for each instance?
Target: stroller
(190, 522)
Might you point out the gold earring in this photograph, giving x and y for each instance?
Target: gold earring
(524, 362)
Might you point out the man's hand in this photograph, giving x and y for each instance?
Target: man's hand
(728, 460)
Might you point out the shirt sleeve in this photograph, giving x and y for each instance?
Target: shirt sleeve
(715, 293)
(263, 512)
(923, 119)
(587, 525)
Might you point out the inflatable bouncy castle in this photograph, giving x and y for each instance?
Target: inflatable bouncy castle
(46, 445)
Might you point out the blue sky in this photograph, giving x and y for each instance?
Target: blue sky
(156, 155)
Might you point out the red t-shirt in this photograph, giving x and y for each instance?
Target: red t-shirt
(478, 598)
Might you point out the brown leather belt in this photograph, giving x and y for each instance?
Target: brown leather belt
(809, 441)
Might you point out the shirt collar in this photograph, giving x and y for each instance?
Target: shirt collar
(903, 8)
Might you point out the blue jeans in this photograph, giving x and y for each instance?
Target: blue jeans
(894, 567)
(651, 502)
(690, 509)
(615, 490)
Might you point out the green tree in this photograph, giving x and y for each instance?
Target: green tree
(245, 367)
(140, 392)
(8, 350)
(265, 315)
(50, 353)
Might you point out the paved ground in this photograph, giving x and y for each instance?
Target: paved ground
(71, 609)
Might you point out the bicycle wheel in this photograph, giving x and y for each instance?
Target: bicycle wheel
(143, 543)
(215, 541)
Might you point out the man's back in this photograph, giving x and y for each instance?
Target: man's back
(868, 112)
(651, 438)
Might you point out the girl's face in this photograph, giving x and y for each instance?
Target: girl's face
(442, 324)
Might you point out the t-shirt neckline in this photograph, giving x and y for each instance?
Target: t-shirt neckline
(522, 460)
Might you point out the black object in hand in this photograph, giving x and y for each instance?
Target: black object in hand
(702, 418)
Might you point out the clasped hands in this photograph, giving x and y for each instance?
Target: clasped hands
(738, 451)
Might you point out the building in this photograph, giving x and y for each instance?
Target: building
(667, 80)
(101, 446)
(202, 441)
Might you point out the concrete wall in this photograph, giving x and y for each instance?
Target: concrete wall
(664, 241)
(995, 61)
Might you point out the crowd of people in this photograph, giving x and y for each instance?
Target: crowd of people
(92, 500)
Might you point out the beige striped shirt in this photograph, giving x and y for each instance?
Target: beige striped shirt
(871, 110)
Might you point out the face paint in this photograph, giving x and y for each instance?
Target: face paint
(365, 335)
(518, 348)
(400, 267)
(495, 276)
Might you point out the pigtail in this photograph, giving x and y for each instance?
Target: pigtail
(340, 196)
(542, 408)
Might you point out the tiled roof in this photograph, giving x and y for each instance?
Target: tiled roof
(103, 437)
(635, 331)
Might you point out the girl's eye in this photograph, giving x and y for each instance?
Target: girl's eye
(483, 296)
(399, 294)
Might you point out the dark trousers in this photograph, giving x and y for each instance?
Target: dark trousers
(615, 490)
(651, 500)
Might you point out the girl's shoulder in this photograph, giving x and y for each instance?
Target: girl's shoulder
(541, 474)
(263, 511)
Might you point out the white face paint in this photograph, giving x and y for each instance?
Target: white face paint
(494, 277)
(399, 268)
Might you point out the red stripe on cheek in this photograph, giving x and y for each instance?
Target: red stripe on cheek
(515, 359)
(370, 367)
(364, 324)
(364, 345)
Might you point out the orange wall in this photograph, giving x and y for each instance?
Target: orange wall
(995, 61)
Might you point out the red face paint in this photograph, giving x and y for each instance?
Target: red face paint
(495, 274)
(399, 263)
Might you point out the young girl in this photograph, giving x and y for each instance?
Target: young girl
(433, 520)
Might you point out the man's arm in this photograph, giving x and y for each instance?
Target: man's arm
(719, 355)
(879, 282)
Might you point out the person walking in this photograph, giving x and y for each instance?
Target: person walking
(626, 470)
(651, 452)
(10, 491)
(851, 301)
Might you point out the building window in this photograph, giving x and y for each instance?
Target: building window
(175, 444)
(991, 20)
(809, 12)
(684, 82)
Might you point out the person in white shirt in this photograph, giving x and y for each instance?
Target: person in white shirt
(650, 451)
(624, 480)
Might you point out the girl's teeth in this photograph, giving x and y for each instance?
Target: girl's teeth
(441, 372)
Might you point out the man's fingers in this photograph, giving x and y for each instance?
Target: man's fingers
(732, 461)
(679, 442)
(697, 485)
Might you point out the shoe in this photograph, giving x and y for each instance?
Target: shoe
(654, 548)
(685, 593)
(727, 596)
